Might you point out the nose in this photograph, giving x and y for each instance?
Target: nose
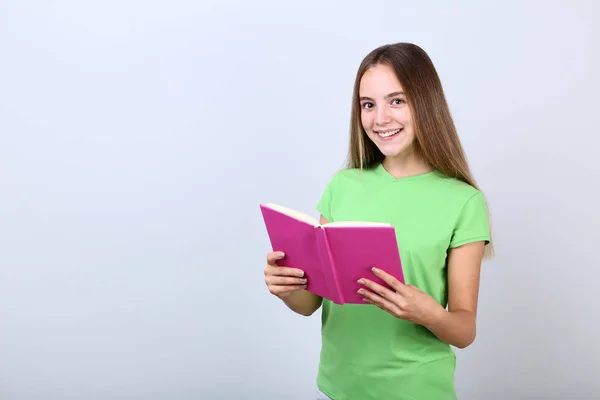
(383, 116)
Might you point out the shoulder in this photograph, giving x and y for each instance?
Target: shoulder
(462, 203)
(341, 177)
(351, 176)
(466, 209)
(348, 173)
(455, 190)
(337, 187)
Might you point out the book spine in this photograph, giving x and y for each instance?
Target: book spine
(328, 266)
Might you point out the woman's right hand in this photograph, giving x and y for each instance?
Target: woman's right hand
(282, 281)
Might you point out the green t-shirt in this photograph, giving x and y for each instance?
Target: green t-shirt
(367, 353)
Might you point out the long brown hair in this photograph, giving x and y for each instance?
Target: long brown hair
(436, 138)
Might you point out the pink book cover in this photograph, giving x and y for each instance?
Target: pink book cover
(332, 257)
(302, 245)
(355, 250)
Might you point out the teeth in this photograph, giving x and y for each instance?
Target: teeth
(387, 134)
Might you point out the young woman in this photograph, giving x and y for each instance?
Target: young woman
(406, 167)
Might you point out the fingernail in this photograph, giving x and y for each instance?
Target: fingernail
(281, 254)
(361, 292)
(303, 280)
(375, 270)
(361, 281)
(301, 274)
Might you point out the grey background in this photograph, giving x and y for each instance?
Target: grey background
(137, 139)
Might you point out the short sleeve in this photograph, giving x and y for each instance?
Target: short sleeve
(472, 224)
(324, 204)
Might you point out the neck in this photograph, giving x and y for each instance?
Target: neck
(404, 165)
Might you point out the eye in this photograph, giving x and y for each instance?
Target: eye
(398, 101)
(367, 105)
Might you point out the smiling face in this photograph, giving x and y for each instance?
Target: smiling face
(385, 114)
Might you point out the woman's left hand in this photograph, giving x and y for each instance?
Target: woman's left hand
(404, 301)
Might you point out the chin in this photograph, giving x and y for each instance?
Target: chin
(392, 154)
(394, 151)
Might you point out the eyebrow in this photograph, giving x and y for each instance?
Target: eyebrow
(393, 94)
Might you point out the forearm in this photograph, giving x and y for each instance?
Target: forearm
(457, 328)
(303, 302)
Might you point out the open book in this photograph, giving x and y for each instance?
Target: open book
(333, 256)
